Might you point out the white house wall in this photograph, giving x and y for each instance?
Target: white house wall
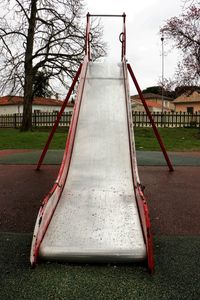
(49, 109)
(14, 109)
(9, 109)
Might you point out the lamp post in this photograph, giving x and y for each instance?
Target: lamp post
(162, 41)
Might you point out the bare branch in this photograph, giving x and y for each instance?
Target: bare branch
(5, 33)
(23, 9)
(43, 35)
(184, 31)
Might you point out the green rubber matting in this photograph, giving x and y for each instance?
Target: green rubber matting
(144, 158)
(176, 275)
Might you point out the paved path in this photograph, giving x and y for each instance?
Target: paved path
(54, 157)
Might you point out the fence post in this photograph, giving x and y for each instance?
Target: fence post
(15, 121)
(34, 119)
(165, 118)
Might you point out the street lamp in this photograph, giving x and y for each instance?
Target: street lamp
(162, 41)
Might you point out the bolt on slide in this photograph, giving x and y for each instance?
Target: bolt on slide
(96, 211)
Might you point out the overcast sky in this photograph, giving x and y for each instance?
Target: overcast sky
(144, 19)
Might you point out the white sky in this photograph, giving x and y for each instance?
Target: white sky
(143, 21)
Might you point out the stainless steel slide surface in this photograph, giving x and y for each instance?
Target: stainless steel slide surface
(97, 217)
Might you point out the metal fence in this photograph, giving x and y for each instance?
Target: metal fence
(140, 119)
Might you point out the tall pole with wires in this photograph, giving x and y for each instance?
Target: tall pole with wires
(162, 41)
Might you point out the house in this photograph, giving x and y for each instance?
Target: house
(154, 102)
(188, 102)
(14, 105)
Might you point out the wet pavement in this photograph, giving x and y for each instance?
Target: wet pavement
(144, 158)
(173, 197)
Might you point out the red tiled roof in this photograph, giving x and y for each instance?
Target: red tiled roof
(193, 97)
(153, 104)
(18, 100)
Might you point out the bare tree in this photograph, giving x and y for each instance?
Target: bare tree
(187, 3)
(184, 31)
(47, 35)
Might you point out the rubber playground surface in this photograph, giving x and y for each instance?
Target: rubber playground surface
(173, 199)
(54, 157)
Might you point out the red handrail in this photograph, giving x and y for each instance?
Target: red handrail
(58, 118)
(48, 207)
(150, 118)
(140, 198)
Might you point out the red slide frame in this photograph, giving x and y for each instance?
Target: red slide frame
(139, 196)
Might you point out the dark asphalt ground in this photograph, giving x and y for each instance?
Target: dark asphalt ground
(173, 199)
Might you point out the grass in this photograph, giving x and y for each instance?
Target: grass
(175, 139)
(14, 139)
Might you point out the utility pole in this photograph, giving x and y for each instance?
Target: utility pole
(162, 41)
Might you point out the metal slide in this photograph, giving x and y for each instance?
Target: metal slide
(96, 210)
(97, 216)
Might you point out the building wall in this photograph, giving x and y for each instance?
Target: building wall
(137, 107)
(50, 109)
(195, 96)
(167, 105)
(155, 109)
(140, 108)
(183, 107)
(14, 109)
(184, 101)
(9, 109)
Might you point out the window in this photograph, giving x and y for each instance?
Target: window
(166, 104)
(190, 110)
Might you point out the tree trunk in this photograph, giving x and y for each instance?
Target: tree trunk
(28, 82)
(27, 106)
